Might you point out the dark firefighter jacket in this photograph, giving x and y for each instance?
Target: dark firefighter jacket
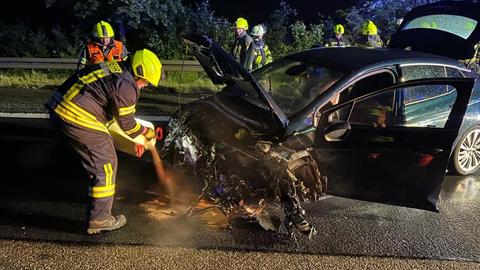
(337, 42)
(369, 41)
(95, 95)
(243, 50)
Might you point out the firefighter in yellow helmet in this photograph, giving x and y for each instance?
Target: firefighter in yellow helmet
(369, 37)
(81, 108)
(242, 48)
(102, 47)
(338, 40)
(474, 62)
(261, 53)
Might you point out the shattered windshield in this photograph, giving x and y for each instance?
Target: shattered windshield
(293, 84)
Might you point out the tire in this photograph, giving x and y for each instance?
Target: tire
(466, 156)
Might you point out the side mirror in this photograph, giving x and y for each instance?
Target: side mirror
(337, 132)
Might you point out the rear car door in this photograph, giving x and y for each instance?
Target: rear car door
(373, 148)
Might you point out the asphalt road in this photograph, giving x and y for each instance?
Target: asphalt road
(42, 210)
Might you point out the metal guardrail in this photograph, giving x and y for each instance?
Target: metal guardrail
(71, 63)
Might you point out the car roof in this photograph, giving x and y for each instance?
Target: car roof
(350, 59)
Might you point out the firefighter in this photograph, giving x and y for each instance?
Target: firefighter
(338, 40)
(83, 105)
(242, 48)
(369, 37)
(102, 47)
(474, 63)
(261, 52)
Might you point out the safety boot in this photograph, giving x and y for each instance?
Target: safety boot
(299, 221)
(109, 224)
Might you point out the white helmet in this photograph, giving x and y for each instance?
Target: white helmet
(258, 30)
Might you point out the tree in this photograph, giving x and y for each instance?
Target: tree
(384, 13)
(202, 19)
(278, 26)
(304, 38)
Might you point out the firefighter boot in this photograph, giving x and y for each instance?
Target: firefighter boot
(109, 224)
(299, 221)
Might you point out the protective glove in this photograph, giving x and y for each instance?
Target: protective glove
(149, 133)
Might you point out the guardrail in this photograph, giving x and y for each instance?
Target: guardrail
(70, 63)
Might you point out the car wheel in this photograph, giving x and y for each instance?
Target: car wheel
(466, 157)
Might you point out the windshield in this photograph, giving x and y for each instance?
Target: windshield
(454, 24)
(293, 84)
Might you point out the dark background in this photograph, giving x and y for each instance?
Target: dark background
(259, 10)
(256, 11)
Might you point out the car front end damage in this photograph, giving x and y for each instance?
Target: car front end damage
(243, 172)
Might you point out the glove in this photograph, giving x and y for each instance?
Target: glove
(149, 133)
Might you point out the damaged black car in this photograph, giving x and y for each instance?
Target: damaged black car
(381, 125)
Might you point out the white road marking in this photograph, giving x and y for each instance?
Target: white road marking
(24, 115)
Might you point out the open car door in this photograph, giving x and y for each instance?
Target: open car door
(444, 28)
(371, 148)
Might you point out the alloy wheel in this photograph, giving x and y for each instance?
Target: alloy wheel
(469, 153)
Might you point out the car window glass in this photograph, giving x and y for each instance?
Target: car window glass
(368, 85)
(454, 24)
(293, 85)
(340, 115)
(454, 73)
(421, 72)
(415, 94)
(373, 111)
(362, 87)
(414, 106)
(426, 105)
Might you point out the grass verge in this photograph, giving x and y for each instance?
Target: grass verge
(175, 81)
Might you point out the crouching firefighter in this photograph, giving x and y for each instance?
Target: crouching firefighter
(83, 105)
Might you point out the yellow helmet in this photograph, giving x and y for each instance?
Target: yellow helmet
(241, 23)
(369, 28)
(338, 29)
(103, 30)
(146, 65)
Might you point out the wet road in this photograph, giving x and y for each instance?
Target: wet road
(42, 201)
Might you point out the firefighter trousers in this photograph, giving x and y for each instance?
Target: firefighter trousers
(99, 159)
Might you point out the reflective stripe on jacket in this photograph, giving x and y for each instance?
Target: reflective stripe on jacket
(262, 54)
(97, 94)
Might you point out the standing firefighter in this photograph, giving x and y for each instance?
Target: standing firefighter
(81, 108)
(261, 52)
(369, 37)
(338, 40)
(242, 48)
(474, 63)
(102, 47)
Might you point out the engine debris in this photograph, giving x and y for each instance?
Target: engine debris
(241, 175)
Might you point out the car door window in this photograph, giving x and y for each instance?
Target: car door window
(374, 111)
(427, 105)
(413, 106)
(372, 83)
(416, 72)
